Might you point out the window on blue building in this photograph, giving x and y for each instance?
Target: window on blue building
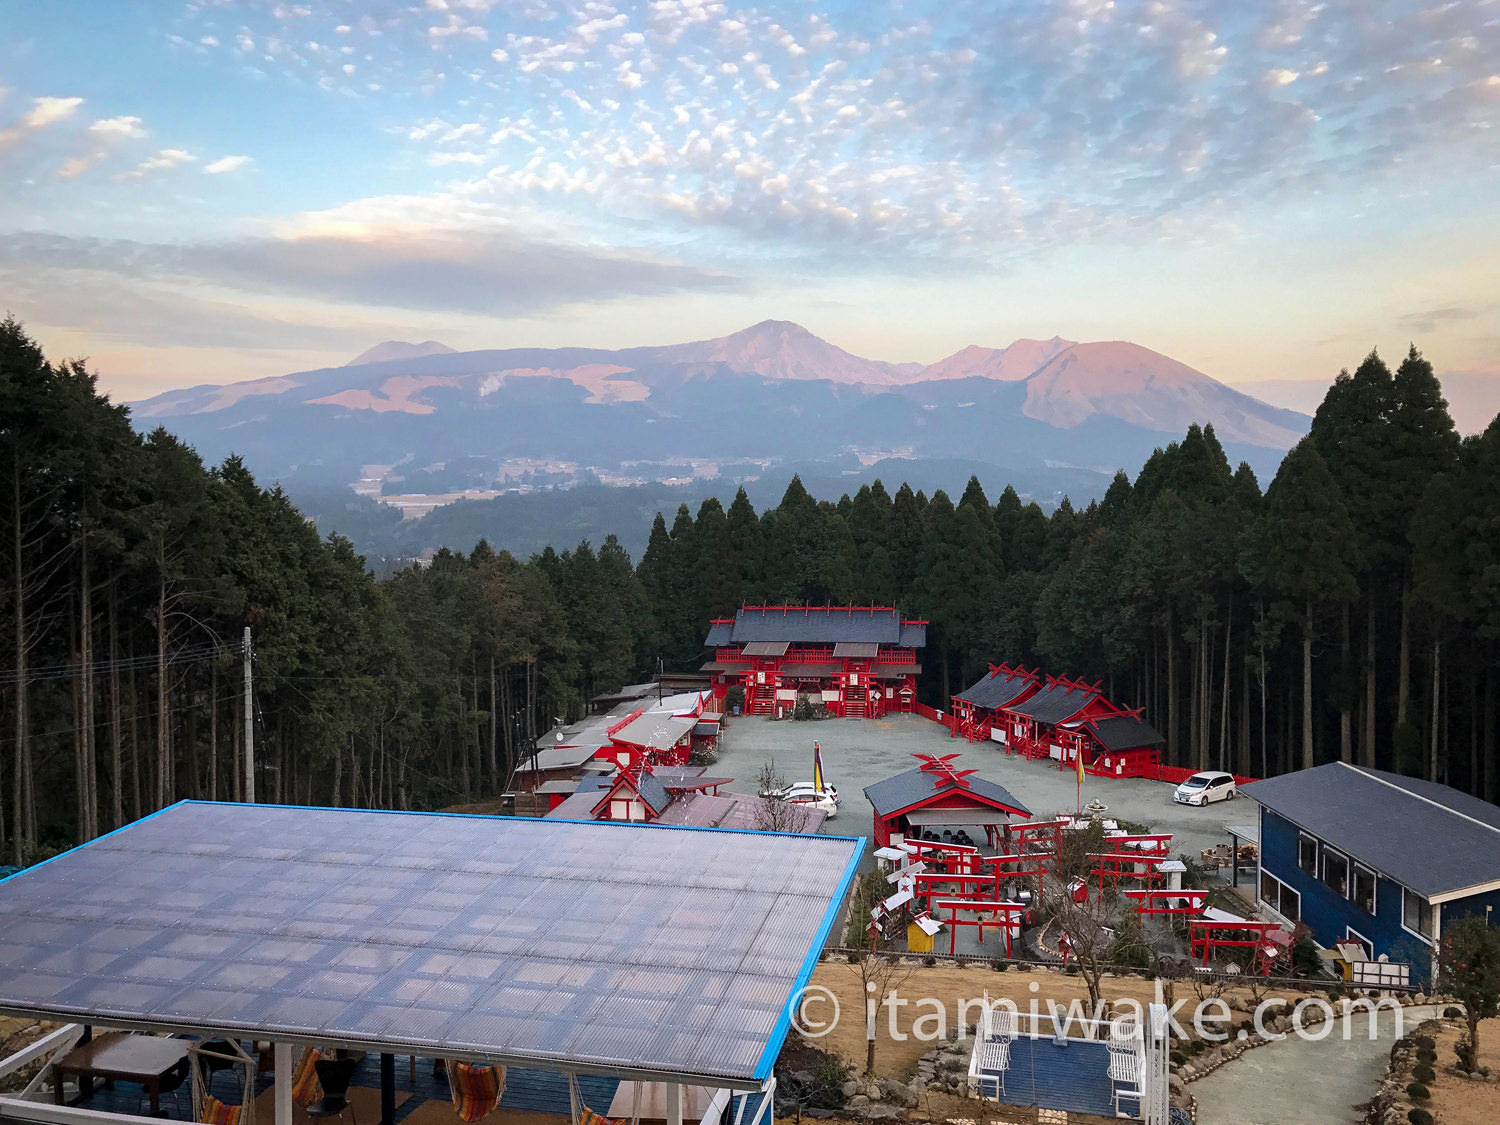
(1364, 889)
(1335, 873)
(1416, 913)
(1307, 854)
(1280, 897)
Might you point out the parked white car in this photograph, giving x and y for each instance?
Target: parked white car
(803, 793)
(1205, 788)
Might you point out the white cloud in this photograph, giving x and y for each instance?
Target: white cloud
(49, 111)
(118, 128)
(227, 164)
(44, 113)
(165, 159)
(78, 165)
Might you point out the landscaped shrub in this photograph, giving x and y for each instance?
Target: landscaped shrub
(1071, 970)
(1178, 1058)
(1425, 1042)
(1424, 1073)
(1000, 966)
(1453, 1013)
(929, 961)
(1426, 1055)
(1419, 1116)
(1418, 1091)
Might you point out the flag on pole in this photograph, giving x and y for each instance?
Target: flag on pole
(817, 767)
(1078, 761)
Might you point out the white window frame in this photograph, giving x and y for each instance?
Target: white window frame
(1374, 889)
(1430, 939)
(1323, 869)
(1316, 857)
(1350, 933)
(1284, 889)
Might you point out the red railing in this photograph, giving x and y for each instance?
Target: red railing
(1176, 775)
(897, 656)
(934, 714)
(729, 655)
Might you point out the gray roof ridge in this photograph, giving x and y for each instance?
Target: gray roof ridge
(1407, 792)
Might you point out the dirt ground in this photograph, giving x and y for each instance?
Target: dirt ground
(1459, 1101)
(952, 985)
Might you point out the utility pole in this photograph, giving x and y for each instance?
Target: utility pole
(249, 726)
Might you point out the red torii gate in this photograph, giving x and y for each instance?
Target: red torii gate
(963, 857)
(1010, 912)
(1049, 831)
(923, 883)
(1193, 901)
(1203, 934)
(1122, 865)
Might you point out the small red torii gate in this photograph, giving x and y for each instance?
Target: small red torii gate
(961, 857)
(1192, 902)
(1204, 935)
(1039, 832)
(1127, 865)
(1010, 914)
(924, 882)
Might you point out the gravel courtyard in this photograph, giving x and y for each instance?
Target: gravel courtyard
(860, 752)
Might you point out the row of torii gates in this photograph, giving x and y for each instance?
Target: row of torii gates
(945, 884)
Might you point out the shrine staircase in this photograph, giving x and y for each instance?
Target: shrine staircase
(856, 701)
(760, 699)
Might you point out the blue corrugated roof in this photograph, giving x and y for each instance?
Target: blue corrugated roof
(914, 786)
(1428, 837)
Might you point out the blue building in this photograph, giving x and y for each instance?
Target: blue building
(1376, 858)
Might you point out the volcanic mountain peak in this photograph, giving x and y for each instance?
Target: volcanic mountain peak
(1007, 365)
(780, 349)
(400, 349)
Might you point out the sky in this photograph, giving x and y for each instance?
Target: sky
(216, 190)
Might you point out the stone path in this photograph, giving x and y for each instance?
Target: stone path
(1292, 1082)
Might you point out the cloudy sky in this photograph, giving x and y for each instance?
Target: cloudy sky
(204, 191)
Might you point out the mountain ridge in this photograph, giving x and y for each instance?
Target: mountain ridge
(736, 407)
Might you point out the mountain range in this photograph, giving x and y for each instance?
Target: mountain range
(423, 418)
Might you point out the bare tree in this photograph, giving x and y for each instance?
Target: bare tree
(772, 814)
(879, 976)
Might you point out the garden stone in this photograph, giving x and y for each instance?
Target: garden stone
(858, 1100)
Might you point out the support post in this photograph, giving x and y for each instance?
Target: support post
(249, 727)
(674, 1103)
(282, 1056)
(387, 1089)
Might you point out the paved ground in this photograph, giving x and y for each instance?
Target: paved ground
(1294, 1081)
(860, 752)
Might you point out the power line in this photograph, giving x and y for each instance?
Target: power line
(12, 676)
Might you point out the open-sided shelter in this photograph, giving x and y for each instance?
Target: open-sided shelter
(939, 794)
(637, 951)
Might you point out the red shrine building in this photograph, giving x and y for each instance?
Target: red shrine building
(1057, 718)
(858, 661)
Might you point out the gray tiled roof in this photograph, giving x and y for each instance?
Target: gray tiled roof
(1056, 703)
(720, 633)
(817, 625)
(998, 688)
(913, 786)
(1427, 837)
(1125, 732)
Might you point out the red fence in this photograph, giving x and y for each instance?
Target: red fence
(935, 715)
(1176, 775)
(1172, 775)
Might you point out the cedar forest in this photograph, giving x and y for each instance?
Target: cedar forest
(1350, 610)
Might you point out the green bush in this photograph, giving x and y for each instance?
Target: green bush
(1071, 970)
(1424, 1055)
(1178, 1058)
(1000, 966)
(1418, 1092)
(1419, 1116)
(1425, 1042)
(1424, 1073)
(804, 709)
(929, 961)
(829, 1075)
(1453, 1013)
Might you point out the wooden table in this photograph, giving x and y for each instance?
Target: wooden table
(147, 1060)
